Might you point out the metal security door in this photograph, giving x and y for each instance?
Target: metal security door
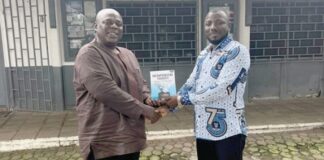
(29, 73)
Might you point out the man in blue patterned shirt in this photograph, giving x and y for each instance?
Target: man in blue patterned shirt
(215, 88)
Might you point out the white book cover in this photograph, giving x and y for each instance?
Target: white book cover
(162, 84)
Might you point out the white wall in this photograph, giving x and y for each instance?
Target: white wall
(244, 31)
(55, 42)
(21, 46)
(3, 35)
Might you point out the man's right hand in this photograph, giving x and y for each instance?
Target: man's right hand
(163, 110)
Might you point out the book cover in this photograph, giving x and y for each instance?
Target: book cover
(162, 84)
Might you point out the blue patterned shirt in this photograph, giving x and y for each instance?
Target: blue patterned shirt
(216, 87)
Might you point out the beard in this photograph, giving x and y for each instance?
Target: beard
(217, 41)
(214, 42)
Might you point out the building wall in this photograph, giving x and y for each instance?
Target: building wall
(269, 79)
(283, 80)
(161, 34)
(3, 88)
(322, 82)
(31, 56)
(286, 45)
(272, 75)
(287, 30)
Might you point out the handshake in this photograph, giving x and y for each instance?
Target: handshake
(162, 106)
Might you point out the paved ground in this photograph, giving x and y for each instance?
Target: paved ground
(31, 130)
(301, 145)
(35, 125)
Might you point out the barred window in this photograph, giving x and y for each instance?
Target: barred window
(159, 33)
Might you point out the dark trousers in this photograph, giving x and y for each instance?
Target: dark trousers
(228, 149)
(131, 156)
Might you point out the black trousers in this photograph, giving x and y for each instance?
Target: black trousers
(228, 149)
(131, 156)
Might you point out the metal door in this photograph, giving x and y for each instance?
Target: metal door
(28, 72)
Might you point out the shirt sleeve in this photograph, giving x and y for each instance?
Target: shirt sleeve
(189, 86)
(231, 73)
(95, 77)
(145, 89)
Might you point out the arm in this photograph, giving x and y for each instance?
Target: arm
(95, 77)
(189, 86)
(228, 77)
(183, 98)
(145, 89)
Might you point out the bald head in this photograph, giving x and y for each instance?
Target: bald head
(108, 27)
(104, 12)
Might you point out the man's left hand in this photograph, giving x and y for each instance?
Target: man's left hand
(149, 101)
(171, 101)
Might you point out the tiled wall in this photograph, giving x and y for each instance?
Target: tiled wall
(28, 69)
(287, 29)
(24, 24)
(159, 32)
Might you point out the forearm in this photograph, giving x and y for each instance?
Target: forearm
(107, 92)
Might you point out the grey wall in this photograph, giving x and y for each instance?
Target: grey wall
(286, 46)
(285, 80)
(266, 80)
(68, 92)
(35, 88)
(57, 85)
(286, 30)
(322, 82)
(3, 89)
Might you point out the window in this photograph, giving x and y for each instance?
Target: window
(159, 33)
(78, 25)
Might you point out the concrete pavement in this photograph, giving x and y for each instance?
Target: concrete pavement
(295, 145)
(27, 130)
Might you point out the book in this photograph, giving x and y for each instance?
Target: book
(162, 84)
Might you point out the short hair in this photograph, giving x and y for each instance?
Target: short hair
(220, 9)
